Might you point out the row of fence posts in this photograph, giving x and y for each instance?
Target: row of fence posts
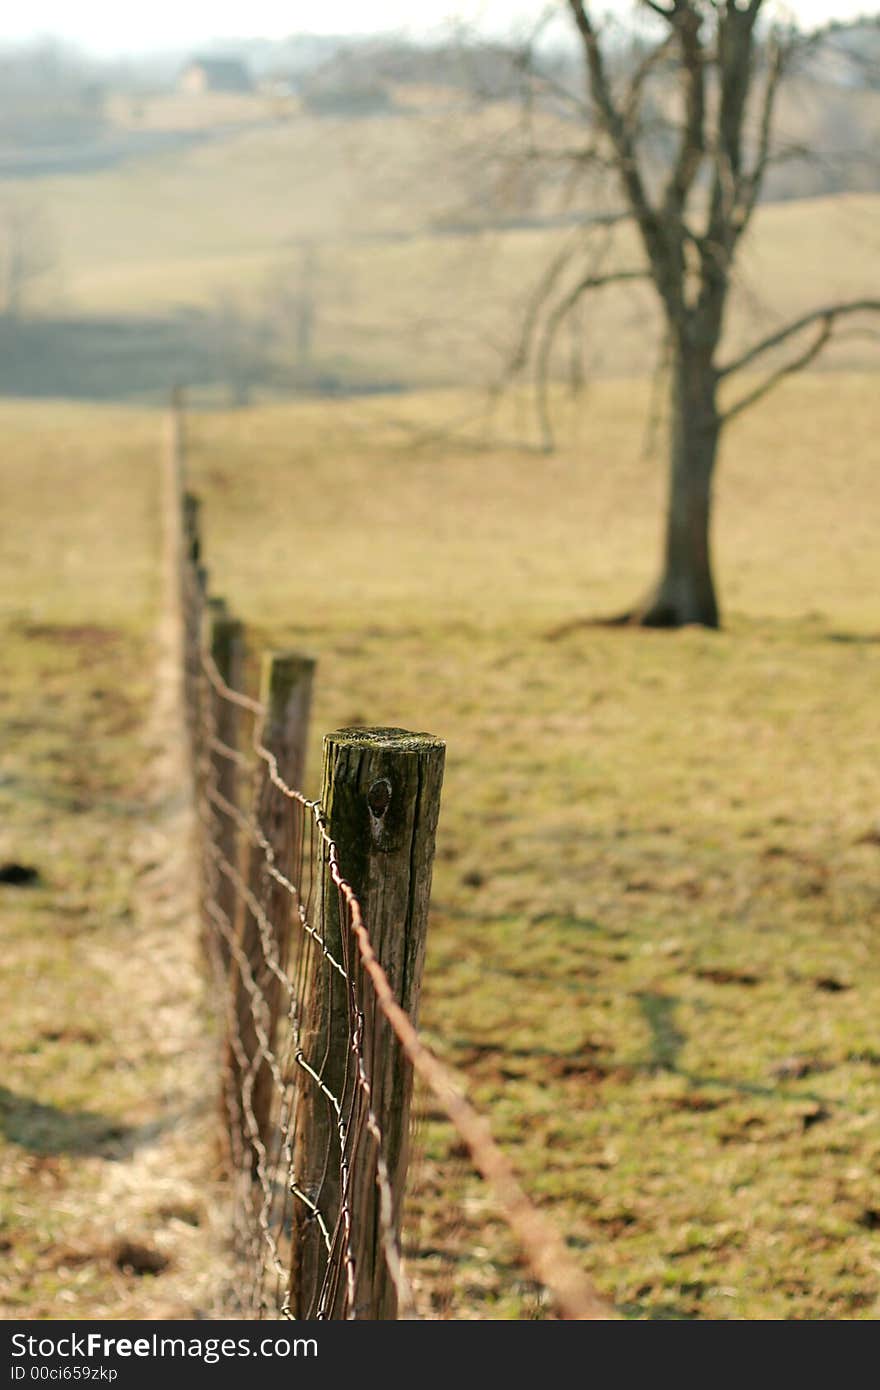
(380, 794)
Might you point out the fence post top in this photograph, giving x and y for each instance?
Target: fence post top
(288, 665)
(218, 619)
(390, 740)
(286, 677)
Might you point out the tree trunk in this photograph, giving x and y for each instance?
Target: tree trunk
(685, 592)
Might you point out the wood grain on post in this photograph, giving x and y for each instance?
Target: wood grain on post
(225, 641)
(285, 693)
(381, 795)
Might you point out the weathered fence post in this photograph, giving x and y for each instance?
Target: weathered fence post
(224, 640)
(285, 693)
(178, 419)
(192, 526)
(381, 796)
(173, 468)
(192, 602)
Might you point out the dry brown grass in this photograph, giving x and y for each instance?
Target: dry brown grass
(653, 943)
(401, 295)
(655, 895)
(109, 1196)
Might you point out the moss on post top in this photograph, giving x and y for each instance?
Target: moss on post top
(394, 740)
(380, 790)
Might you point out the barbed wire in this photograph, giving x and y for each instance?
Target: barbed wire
(295, 1219)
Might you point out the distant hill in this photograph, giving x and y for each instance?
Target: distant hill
(390, 236)
(849, 55)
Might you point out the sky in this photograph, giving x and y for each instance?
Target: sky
(107, 27)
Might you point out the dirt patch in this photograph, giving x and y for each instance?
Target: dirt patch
(829, 984)
(132, 1258)
(108, 1134)
(721, 976)
(71, 634)
(19, 875)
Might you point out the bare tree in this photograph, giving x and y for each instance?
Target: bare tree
(24, 254)
(292, 301)
(266, 338)
(241, 343)
(689, 158)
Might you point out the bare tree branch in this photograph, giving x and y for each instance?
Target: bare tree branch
(650, 61)
(692, 144)
(830, 312)
(750, 184)
(774, 379)
(545, 287)
(620, 133)
(825, 318)
(552, 326)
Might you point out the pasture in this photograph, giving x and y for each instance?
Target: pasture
(415, 238)
(653, 938)
(108, 1160)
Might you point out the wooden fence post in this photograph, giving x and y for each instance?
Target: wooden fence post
(192, 601)
(224, 640)
(173, 523)
(177, 415)
(192, 526)
(285, 693)
(381, 796)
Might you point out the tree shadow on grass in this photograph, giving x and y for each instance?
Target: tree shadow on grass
(105, 359)
(667, 1311)
(854, 639)
(666, 1044)
(658, 1011)
(49, 1129)
(138, 358)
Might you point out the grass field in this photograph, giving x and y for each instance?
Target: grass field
(149, 255)
(107, 1161)
(653, 940)
(653, 944)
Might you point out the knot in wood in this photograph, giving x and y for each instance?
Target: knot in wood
(379, 797)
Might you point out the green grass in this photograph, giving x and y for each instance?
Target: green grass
(653, 938)
(93, 1091)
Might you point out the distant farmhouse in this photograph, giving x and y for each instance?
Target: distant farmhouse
(215, 75)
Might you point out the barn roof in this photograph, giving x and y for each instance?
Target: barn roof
(221, 70)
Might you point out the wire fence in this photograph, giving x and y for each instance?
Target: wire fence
(319, 979)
